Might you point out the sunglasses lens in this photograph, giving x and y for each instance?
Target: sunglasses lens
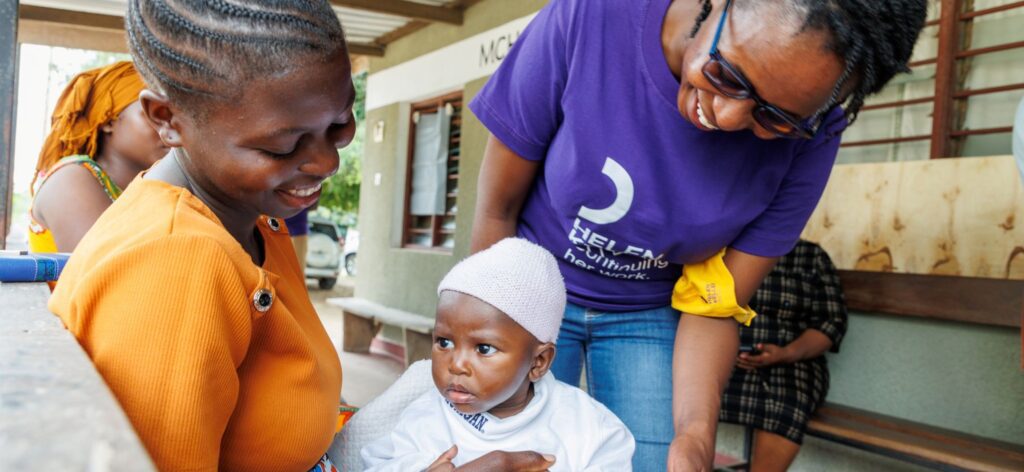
(779, 123)
(725, 80)
(731, 83)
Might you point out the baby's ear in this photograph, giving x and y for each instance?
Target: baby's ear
(543, 356)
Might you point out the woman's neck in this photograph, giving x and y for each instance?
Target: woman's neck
(120, 170)
(239, 223)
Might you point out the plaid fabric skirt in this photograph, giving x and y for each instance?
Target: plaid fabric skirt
(779, 399)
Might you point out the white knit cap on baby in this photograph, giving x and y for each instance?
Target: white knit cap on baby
(517, 277)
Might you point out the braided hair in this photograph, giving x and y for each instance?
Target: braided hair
(705, 12)
(874, 38)
(194, 50)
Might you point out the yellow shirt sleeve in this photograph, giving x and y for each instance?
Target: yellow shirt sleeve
(708, 289)
(168, 338)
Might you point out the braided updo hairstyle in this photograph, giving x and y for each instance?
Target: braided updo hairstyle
(874, 38)
(208, 49)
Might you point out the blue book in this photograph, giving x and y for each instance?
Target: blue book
(31, 267)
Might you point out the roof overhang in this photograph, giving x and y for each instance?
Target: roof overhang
(370, 25)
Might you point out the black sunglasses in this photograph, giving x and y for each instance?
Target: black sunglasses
(730, 82)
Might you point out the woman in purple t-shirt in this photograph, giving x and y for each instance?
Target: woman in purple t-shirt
(630, 138)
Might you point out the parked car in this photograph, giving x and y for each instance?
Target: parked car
(349, 254)
(324, 251)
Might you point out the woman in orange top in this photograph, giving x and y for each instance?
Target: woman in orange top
(98, 143)
(187, 294)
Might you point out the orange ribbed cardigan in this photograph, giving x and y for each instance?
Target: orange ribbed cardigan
(161, 297)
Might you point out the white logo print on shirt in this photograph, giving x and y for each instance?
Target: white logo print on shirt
(602, 253)
(623, 196)
(477, 421)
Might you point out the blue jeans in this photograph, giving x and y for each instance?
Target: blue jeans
(628, 357)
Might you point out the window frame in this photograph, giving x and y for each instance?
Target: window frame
(436, 231)
(949, 101)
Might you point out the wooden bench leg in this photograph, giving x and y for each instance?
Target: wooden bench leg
(358, 332)
(417, 346)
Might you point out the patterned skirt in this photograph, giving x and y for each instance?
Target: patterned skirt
(779, 399)
(324, 465)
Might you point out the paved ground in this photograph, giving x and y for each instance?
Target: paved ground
(364, 376)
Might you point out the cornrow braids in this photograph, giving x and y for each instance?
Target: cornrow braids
(705, 11)
(874, 38)
(192, 49)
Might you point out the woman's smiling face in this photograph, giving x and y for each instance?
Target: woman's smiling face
(787, 64)
(269, 151)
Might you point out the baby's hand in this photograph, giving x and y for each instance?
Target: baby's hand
(519, 461)
(444, 461)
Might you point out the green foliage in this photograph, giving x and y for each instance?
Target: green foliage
(70, 62)
(340, 194)
(21, 201)
(103, 58)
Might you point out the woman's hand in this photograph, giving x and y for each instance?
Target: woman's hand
(524, 461)
(812, 343)
(688, 454)
(770, 354)
(519, 461)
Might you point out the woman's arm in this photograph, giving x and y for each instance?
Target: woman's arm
(828, 309)
(705, 351)
(167, 336)
(68, 204)
(504, 182)
(810, 344)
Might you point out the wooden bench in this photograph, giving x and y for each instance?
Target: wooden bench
(929, 446)
(364, 318)
(922, 444)
(57, 412)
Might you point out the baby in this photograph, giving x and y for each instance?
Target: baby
(498, 316)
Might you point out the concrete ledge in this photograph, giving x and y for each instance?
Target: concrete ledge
(57, 413)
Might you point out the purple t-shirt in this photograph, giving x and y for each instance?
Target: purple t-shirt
(629, 190)
(298, 225)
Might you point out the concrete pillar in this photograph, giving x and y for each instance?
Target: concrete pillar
(8, 99)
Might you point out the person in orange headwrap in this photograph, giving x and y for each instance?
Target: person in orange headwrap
(98, 143)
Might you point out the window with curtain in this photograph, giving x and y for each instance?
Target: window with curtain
(432, 177)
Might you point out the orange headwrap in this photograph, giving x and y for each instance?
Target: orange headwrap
(93, 98)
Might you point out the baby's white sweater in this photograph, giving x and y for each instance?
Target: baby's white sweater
(560, 420)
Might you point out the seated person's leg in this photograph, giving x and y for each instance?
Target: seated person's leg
(772, 452)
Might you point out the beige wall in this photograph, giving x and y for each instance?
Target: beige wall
(389, 274)
(477, 19)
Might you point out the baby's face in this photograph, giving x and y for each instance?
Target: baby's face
(481, 357)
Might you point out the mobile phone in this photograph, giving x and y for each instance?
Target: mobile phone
(749, 349)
